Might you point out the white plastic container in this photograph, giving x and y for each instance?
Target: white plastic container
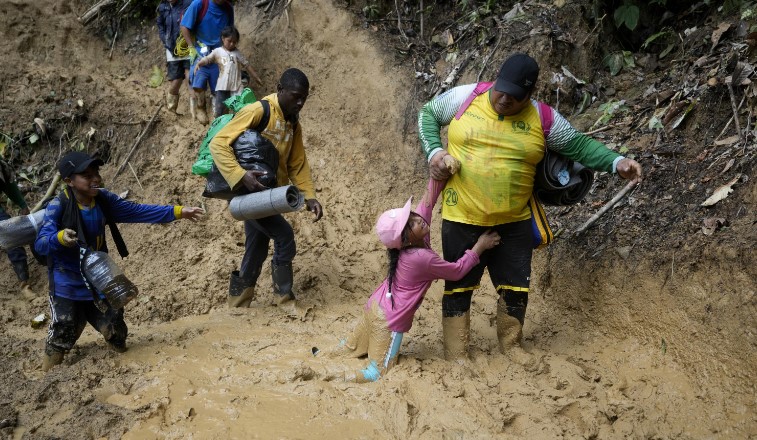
(21, 230)
(106, 277)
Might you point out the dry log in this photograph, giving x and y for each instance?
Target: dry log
(94, 10)
(136, 143)
(607, 207)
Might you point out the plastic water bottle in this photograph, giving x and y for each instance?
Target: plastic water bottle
(21, 230)
(106, 277)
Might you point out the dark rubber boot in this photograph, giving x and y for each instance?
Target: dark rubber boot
(241, 291)
(283, 282)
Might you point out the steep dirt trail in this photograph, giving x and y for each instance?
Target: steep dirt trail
(617, 355)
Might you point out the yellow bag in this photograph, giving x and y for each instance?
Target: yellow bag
(541, 232)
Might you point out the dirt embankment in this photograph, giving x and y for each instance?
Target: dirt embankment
(637, 334)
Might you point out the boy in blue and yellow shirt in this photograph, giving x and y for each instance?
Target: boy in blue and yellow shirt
(77, 218)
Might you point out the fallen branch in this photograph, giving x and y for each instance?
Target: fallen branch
(399, 21)
(123, 7)
(49, 194)
(135, 176)
(113, 45)
(599, 22)
(606, 208)
(94, 10)
(421, 9)
(136, 143)
(128, 122)
(486, 61)
(734, 108)
(456, 71)
(606, 127)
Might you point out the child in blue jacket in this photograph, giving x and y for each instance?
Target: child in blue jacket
(77, 218)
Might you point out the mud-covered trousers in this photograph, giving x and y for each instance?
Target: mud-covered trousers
(69, 317)
(372, 337)
(17, 255)
(509, 265)
(258, 235)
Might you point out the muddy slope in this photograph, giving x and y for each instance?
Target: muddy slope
(651, 341)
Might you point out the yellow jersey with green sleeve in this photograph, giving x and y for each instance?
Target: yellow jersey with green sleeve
(285, 136)
(498, 155)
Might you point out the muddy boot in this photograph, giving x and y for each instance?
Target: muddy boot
(283, 281)
(241, 291)
(510, 334)
(172, 102)
(118, 347)
(193, 107)
(51, 360)
(456, 336)
(200, 114)
(27, 292)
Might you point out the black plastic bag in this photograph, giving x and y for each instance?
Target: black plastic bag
(253, 152)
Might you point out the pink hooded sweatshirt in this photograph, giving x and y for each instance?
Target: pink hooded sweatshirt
(416, 270)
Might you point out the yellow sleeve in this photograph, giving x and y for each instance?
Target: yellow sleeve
(220, 145)
(298, 167)
(177, 211)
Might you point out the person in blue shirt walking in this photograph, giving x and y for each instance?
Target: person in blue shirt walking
(169, 14)
(201, 26)
(75, 218)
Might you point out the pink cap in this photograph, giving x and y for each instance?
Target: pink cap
(391, 223)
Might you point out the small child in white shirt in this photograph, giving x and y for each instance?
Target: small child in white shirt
(230, 63)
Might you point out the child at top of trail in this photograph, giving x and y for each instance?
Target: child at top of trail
(230, 63)
(74, 219)
(413, 266)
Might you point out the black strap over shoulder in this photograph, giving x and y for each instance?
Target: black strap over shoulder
(71, 219)
(266, 116)
(114, 232)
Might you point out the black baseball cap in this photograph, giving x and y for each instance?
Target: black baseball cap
(76, 162)
(517, 76)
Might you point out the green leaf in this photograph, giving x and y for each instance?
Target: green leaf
(664, 346)
(627, 15)
(156, 78)
(33, 138)
(623, 150)
(615, 62)
(651, 38)
(655, 123)
(628, 60)
(667, 50)
(683, 115)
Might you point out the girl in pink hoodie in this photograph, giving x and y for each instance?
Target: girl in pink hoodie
(413, 266)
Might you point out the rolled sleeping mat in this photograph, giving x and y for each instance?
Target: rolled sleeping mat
(266, 203)
(560, 181)
(584, 179)
(21, 230)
